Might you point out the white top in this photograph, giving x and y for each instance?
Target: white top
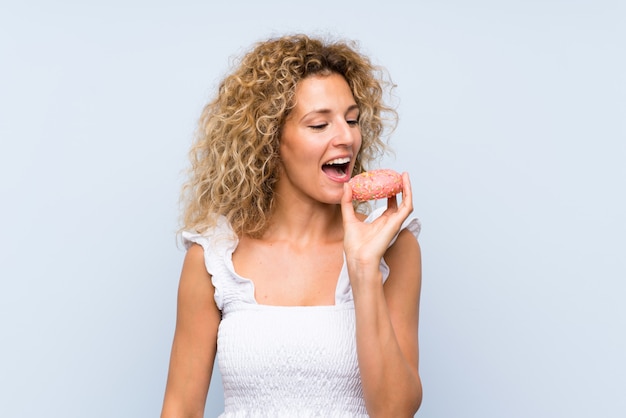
(283, 361)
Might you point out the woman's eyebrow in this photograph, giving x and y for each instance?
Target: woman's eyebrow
(324, 111)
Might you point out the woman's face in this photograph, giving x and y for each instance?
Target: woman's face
(320, 139)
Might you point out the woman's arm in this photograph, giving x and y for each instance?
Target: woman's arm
(387, 334)
(386, 316)
(195, 339)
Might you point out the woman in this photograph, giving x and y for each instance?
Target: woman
(310, 305)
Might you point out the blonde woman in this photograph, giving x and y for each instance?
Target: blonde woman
(309, 302)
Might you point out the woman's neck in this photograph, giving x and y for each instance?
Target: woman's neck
(303, 224)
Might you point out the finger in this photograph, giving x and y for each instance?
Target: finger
(407, 193)
(404, 209)
(392, 203)
(347, 210)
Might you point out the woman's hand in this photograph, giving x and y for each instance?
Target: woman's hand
(366, 243)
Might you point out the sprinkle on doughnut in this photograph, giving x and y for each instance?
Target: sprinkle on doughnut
(376, 184)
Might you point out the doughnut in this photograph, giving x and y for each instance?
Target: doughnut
(376, 184)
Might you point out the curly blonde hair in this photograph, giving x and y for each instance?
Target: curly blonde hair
(235, 158)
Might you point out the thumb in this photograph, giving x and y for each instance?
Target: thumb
(347, 210)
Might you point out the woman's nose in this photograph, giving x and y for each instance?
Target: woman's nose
(345, 134)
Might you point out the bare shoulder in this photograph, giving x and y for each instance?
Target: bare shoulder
(194, 269)
(194, 256)
(405, 249)
(195, 287)
(405, 270)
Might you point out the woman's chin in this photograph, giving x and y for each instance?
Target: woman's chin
(334, 198)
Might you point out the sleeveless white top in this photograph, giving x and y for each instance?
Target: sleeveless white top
(283, 361)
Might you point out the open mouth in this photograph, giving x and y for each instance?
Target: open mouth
(337, 168)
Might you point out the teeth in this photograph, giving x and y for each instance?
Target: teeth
(339, 161)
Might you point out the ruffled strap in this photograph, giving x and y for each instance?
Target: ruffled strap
(218, 243)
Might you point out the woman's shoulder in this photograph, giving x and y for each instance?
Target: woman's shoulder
(214, 248)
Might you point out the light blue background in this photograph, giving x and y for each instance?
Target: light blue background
(512, 128)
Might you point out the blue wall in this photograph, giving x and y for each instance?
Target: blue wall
(512, 128)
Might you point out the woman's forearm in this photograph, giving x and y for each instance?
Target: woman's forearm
(391, 385)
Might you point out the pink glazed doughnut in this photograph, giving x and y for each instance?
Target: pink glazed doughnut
(376, 184)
